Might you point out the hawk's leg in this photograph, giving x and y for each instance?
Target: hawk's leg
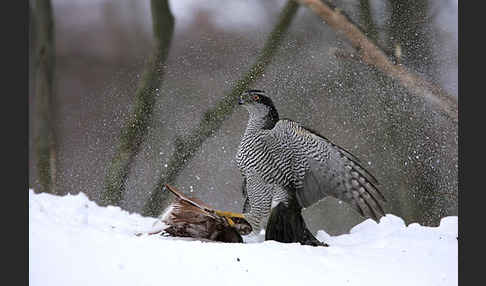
(259, 200)
(286, 224)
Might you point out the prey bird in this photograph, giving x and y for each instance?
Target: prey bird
(190, 217)
(287, 167)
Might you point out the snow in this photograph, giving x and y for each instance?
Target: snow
(73, 241)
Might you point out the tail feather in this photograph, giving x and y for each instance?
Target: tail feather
(286, 224)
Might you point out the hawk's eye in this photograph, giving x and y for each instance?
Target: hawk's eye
(255, 97)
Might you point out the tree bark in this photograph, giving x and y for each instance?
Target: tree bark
(213, 118)
(134, 131)
(371, 54)
(44, 142)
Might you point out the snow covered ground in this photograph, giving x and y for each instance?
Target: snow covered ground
(73, 241)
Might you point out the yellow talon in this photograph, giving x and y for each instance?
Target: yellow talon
(230, 221)
(229, 214)
(236, 220)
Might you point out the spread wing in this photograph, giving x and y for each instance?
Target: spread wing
(321, 168)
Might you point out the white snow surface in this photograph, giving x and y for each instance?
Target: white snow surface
(73, 241)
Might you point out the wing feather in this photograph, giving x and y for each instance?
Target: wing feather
(329, 170)
(356, 162)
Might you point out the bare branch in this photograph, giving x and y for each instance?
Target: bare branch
(374, 56)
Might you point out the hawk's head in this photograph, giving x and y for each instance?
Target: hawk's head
(259, 106)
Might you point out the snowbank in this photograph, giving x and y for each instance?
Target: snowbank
(73, 241)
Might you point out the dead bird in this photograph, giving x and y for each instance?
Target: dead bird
(190, 217)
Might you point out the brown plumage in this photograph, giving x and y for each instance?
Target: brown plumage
(190, 217)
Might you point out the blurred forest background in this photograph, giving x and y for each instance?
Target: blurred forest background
(126, 95)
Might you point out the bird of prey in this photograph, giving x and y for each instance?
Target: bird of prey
(287, 167)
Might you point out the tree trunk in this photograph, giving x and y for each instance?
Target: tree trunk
(135, 129)
(407, 34)
(32, 54)
(213, 119)
(44, 142)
